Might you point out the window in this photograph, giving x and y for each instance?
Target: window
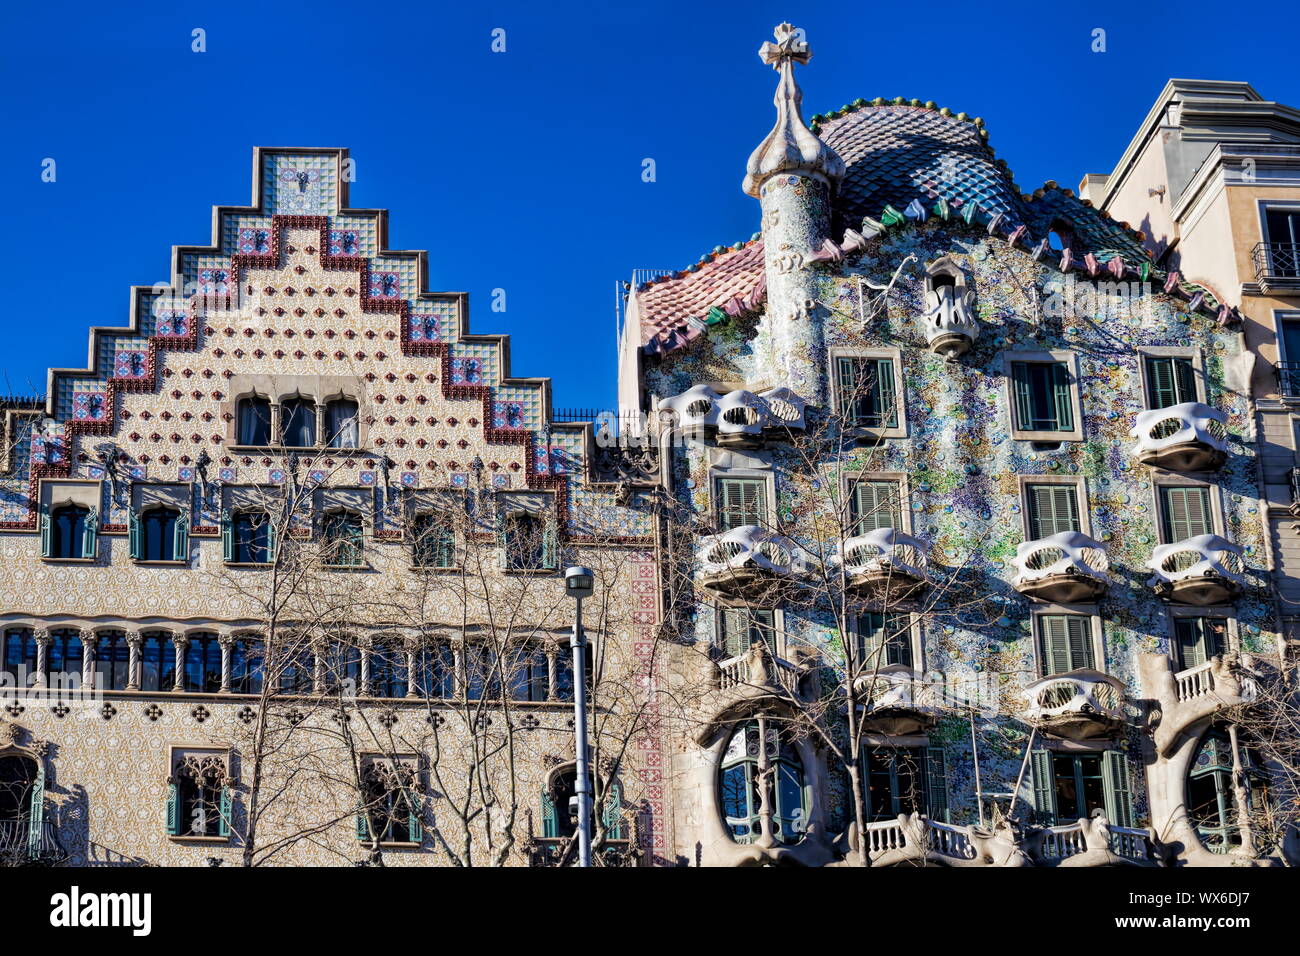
(1064, 643)
(529, 543)
(22, 809)
(248, 538)
(297, 670)
(341, 429)
(342, 666)
(876, 504)
(20, 656)
(435, 672)
(157, 662)
(199, 795)
(63, 659)
(1051, 509)
(254, 421)
(906, 780)
(1170, 381)
(884, 638)
(1282, 226)
(158, 534)
(69, 532)
(343, 539)
(112, 660)
(482, 673)
(1290, 323)
(529, 674)
(1042, 397)
(560, 807)
(433, 541)
(1072, 786)
(564, 673)
(391, 811)
(298, 416)
(1199, 638)
(867, 391)
(1211, 801)
(203, 664)
(739, 628)
(388, 669)
(1184, 512)
(741, 502)
(246, 672)
(748, 767)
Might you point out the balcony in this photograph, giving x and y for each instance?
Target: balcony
(899, 701)
(761, 669)
(1185, 698)
(1288, 379)
(740, 418)
(915, 837)
(19, 846)
(1064, 568)
(886, 565)
(1295, 493)
(749, 563)
(1079, 705)
(1093, 842)
(1186, 437)
(1277, 266)
(1203, 571)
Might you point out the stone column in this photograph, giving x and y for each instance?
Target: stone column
(89, 641)
(179, 644)
(227, 642)
(318, 668)
(364, 690)
(42, 638)
(133, 641)
(411, 647)
(552, 654)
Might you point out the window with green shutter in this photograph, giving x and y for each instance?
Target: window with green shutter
(1170, 381)
(1185, 512)
(1043, 400)
(884, 638)
(433, 541)
(867, 391)
(1199, 639)
(897, 780)
(740, 627)
(876, 504)
(741, 502)
(1118, 788)
(1065, 643)
(1051, 509)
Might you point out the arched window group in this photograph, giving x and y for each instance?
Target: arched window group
(300, 421)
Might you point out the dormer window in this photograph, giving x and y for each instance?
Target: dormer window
(254, 421)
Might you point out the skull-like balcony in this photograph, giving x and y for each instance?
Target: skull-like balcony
(951, 327)
(748, 563)
(1186, 437)
(886, 565)
(1064, 568)
(740, 418)
(1078, 705)
(1204, 570)
(898, 701)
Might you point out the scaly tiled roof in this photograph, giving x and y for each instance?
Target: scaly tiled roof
(676, 308)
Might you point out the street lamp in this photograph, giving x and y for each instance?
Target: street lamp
(578, 584)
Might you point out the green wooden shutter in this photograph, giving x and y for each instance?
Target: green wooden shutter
(181, 541)
(1118, 789)
(1044, 782)
(550, 821)
(36, 816)
(503, 539)
(227, 536)
(223, 816)
(1160, 383)
(1054, 638)
(870, 630)
(90, 537)
(1186, 512)
(415, 819)
(1024, 396)
(848, 382)
(1190, 635)
(734, 634)
(363, 826)
(885, 394)
(1064, 405)
(173, 810)
(1052, 509)
(612, 817)
(47, 533)
(876, 505)
(271, 541)
(135, 540)
(936, 784)
(1080, 641)
(548, 541)
(741, 501)
(1184, 381)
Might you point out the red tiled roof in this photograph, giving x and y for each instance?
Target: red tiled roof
(675, 309)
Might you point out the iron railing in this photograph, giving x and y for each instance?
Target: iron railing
(1276, 260)
(1295, 492)
(1288, 379)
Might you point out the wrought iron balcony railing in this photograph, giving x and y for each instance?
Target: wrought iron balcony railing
(1288, 379)
(1276, 260)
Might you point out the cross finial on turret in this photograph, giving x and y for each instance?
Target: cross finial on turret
(790, 45)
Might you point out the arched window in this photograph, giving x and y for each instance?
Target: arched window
(69, 534)
(246, 666)
(435, 672)
(564, 672)
(249, 538)
(299, 423)
(560, 807)
(343, 669)
(390, 794)
(254, 421)
(529, 673)
(203, 664)
(342, 535)
(341, 427)
(528, 542)
(748, 766)
(63, 659)
(17, 781)
(199, 795)
(20, 656)
(1211, 801)
(157, 662)
(295, 665)
(433, 541)
(482, 672)
(388, 672)
(158, 535)
(112, 660)
(24, 836)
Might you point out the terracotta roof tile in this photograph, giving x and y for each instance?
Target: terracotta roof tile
(675, 309)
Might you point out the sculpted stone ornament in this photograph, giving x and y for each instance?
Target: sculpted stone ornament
(951, 326)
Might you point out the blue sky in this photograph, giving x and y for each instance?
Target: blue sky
(522, 170)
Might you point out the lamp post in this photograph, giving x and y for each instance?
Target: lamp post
(578, 584)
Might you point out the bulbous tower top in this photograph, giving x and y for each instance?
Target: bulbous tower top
(791, 146)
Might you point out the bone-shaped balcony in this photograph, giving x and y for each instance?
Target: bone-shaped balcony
(1064, 568)
(1077, 705)
(1186, 437)
(886, 564)
(897, 700)
(749, 562)
(1203, 570)
(740, 418)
